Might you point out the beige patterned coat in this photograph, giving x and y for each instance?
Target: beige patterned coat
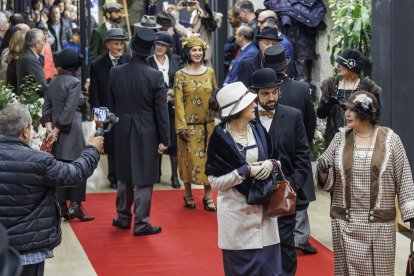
(365, 183)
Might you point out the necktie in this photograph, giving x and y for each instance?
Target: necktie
(268, 114)
(115, 61)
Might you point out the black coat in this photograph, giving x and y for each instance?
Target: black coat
(28, 179)
(290, 146)
(99, 94)
(297, 94)
(247, 68)
(139, 100)
(64, 36)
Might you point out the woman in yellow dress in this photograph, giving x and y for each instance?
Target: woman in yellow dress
(194, 120)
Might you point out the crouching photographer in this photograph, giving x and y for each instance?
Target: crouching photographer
(28, 179)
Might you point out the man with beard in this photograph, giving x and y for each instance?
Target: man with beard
(290, 146)
(296, 94)
(265, 38)
(112, 19)
(99, 94)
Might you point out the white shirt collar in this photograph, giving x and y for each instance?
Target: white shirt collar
(108, 25)
(244, 47)
(164, 68)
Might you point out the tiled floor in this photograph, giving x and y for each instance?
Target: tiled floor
(71, 260)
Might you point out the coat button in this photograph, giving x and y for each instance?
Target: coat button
(347, 216)
(371, 212)
(371, 218)
(347, 211)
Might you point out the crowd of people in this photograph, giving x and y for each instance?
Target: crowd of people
(226, 136)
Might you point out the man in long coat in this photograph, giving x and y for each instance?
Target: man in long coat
(139, 100)
(296, 94)
(290, 146)
(99, 94)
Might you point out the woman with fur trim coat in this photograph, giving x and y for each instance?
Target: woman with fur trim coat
(336, 90)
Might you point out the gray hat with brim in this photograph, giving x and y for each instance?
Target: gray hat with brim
(114, 34)
(148, 21)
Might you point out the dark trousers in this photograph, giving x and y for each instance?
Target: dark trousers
(126, 195)
(111, 169)
(77, 193)
(287, 243)
(34, 269)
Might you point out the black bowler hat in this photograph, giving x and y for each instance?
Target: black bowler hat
(274, 57)
(264, 78)
(114, 34)
(268, 33)
(352, 60)
(70, 59)
(9, 257)
(143, 41)
(163, 38)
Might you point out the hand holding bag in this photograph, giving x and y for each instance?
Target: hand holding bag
(46, 145)
(283, 200)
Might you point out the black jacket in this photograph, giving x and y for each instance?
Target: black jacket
(139, 100)
(290, 145)
(99, 95)
(247, 68)
(28, 179)
(64, 36)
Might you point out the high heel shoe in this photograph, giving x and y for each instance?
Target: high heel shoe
(64, 210)
(76, 211)
(209, 204)
(189, 202)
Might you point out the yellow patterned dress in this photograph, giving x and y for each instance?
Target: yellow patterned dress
(192, 94)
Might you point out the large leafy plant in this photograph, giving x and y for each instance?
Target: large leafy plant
(351, 26)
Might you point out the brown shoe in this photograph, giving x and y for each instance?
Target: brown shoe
(76, 211)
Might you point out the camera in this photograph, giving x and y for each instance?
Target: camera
(102, 116)
(189, 3)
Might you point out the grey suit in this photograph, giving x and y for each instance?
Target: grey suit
(29, 64)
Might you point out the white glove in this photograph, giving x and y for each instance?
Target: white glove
(255, 168)
(263, 171)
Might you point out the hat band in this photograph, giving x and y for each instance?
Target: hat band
(146, 24)
(236, 103)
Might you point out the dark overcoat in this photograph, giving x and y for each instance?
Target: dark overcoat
(62, 106)
(297, 94)
(174, 66)
(99, 94)
(97, 46)
(247, 68)
(139, 100)
(29, 64)
(290, 145)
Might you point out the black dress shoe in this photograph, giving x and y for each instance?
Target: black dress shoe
(307, 248)
(113, 185)
(117, 223)
(175, 183)
(76, 211)
(151, 230)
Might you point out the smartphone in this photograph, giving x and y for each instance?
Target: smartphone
(100, 114)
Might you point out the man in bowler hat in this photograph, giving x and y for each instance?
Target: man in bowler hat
(296, 94)
(99, 94)
(290, 146)
(265, 38)
(139, 100)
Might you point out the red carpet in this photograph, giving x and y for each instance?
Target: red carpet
(186, 246)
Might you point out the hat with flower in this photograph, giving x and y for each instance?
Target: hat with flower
(363, 103)
(194, 40)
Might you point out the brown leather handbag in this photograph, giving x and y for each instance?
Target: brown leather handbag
(283, 200)
(46, 146)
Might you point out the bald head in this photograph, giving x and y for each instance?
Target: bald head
(263, 15)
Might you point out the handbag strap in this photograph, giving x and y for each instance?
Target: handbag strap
(279, 168)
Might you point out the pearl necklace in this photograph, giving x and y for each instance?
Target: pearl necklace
(239, 136)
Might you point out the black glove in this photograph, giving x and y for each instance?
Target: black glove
(412, 225)
(323, 166)
(183, 135)
(213, 104)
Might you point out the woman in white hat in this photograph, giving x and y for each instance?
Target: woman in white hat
(238, 160)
